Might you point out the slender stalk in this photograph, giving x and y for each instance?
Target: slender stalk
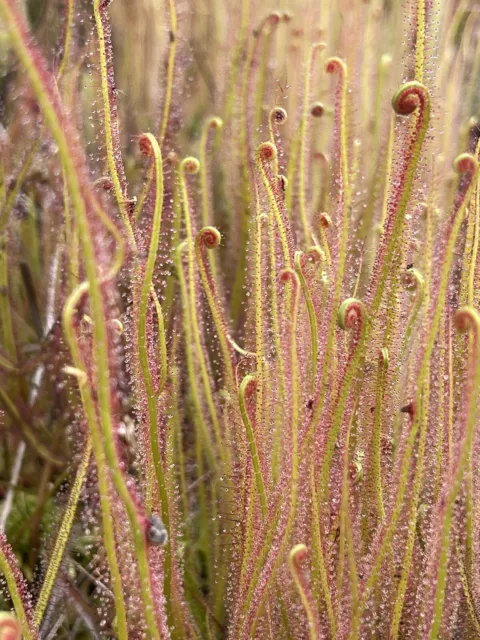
(309, 68)
(420, 44)
(150, 145)
(99, 11)
(299, 260)
(63, 535)
(17, 590)
(467, 318)
(296, 555)
(191, 166)
(377, 432)
(249, 380)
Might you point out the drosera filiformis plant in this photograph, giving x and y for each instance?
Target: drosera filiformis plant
(239, 320)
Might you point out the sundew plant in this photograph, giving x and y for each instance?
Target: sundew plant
(239, 319)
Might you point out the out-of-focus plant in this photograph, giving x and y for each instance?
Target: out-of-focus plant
(239, 389)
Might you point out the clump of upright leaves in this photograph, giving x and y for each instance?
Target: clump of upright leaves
(238, 253)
